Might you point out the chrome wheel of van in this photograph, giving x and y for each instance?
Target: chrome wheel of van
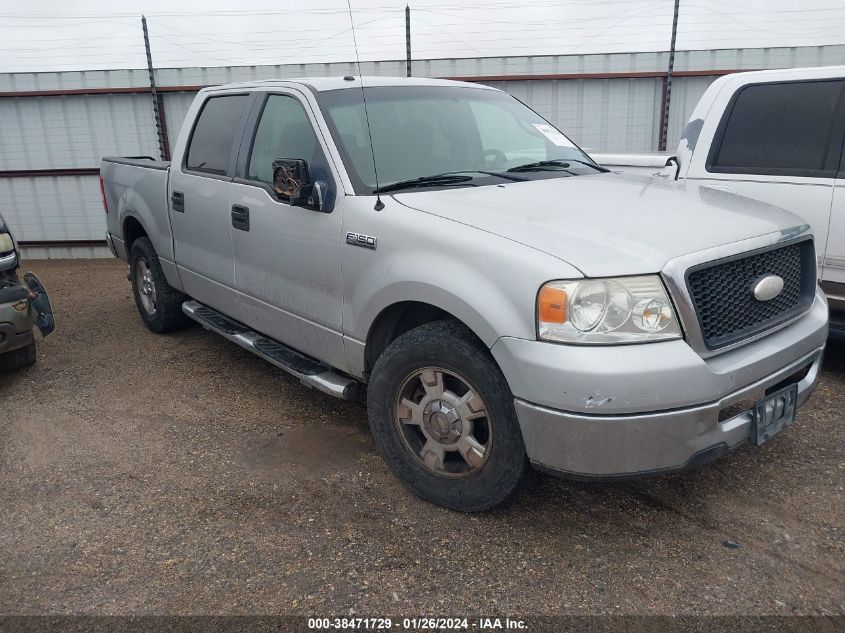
(444, 422)
(145, 285)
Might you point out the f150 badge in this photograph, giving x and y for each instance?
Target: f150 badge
(359, 239)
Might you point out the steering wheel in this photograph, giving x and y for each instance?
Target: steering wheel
(492, 158)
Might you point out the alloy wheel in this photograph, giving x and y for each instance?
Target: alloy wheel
(444, 422)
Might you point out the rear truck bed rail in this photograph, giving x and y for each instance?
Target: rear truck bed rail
(311, 372)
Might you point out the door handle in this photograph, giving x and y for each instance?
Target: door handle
(177, 199)
(240, 217)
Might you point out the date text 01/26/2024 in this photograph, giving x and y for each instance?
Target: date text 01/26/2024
(416, 624)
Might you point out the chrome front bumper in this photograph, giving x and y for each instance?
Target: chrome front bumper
(621, 411)
(591, 446)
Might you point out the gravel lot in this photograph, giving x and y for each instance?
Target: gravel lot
(179, 474)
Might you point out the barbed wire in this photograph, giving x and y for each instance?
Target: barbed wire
(640, 23)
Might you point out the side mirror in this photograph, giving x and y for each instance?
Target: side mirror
(670, 169)
(291, 181)
(292, 184)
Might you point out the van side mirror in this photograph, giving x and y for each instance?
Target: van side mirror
(670, 169)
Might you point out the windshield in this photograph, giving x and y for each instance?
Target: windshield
(423, 131)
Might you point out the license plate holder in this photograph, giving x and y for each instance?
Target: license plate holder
(773, 413)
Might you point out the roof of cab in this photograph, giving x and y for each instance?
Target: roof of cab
(734, 81)
(323, 84)
(814, 72)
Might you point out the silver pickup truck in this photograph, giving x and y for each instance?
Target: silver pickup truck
(500, 298)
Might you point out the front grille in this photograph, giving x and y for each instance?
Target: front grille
(722, 292)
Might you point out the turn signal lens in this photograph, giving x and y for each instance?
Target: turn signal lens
(552, 302)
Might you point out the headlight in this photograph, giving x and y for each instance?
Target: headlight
(594, 311)
(6, 243)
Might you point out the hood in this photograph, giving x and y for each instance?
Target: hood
(3, 227)
(607, 224)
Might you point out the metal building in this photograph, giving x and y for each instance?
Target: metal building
(55, 126)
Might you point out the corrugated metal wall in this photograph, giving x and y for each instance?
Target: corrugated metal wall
(702, 60)
(176, 106)
(74, 131)
(47, 208)
(604, 102)
(618, 114)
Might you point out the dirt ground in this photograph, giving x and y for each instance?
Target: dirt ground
(179, 474)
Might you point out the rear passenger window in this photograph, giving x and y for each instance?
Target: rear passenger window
(214, 134)
(779, 129)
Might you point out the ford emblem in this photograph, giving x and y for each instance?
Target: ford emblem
(768, 287)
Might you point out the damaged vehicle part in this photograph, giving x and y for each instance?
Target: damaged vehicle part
(24, 306)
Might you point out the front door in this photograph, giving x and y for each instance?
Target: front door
(287, 258)
(199, 201)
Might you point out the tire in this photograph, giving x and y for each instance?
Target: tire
(459, 449)
(159, 304)
(18, 358)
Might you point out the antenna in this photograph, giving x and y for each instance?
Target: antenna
(379, 204)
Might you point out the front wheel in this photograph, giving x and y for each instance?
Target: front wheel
(442, 416)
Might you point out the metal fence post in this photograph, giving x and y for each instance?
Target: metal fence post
(163, 148)
(667, 84)
(407, 40)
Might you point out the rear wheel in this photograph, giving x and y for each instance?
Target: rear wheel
(159, 304)
(442, 416)
(18, 358)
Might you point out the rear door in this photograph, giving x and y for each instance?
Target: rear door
(287, 258)
(779, 143)
(199, 200)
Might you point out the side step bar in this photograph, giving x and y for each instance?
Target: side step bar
(311, 372)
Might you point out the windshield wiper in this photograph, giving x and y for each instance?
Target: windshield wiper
(498, 174)
(595, 166)
(543, 165)
(425, 181)
(446, 178)
(558, 163)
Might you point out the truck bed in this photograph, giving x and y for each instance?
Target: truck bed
(136, 190)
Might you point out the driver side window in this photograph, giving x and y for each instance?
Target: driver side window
(285, 131)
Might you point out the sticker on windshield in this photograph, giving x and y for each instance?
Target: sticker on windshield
(553, 135)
